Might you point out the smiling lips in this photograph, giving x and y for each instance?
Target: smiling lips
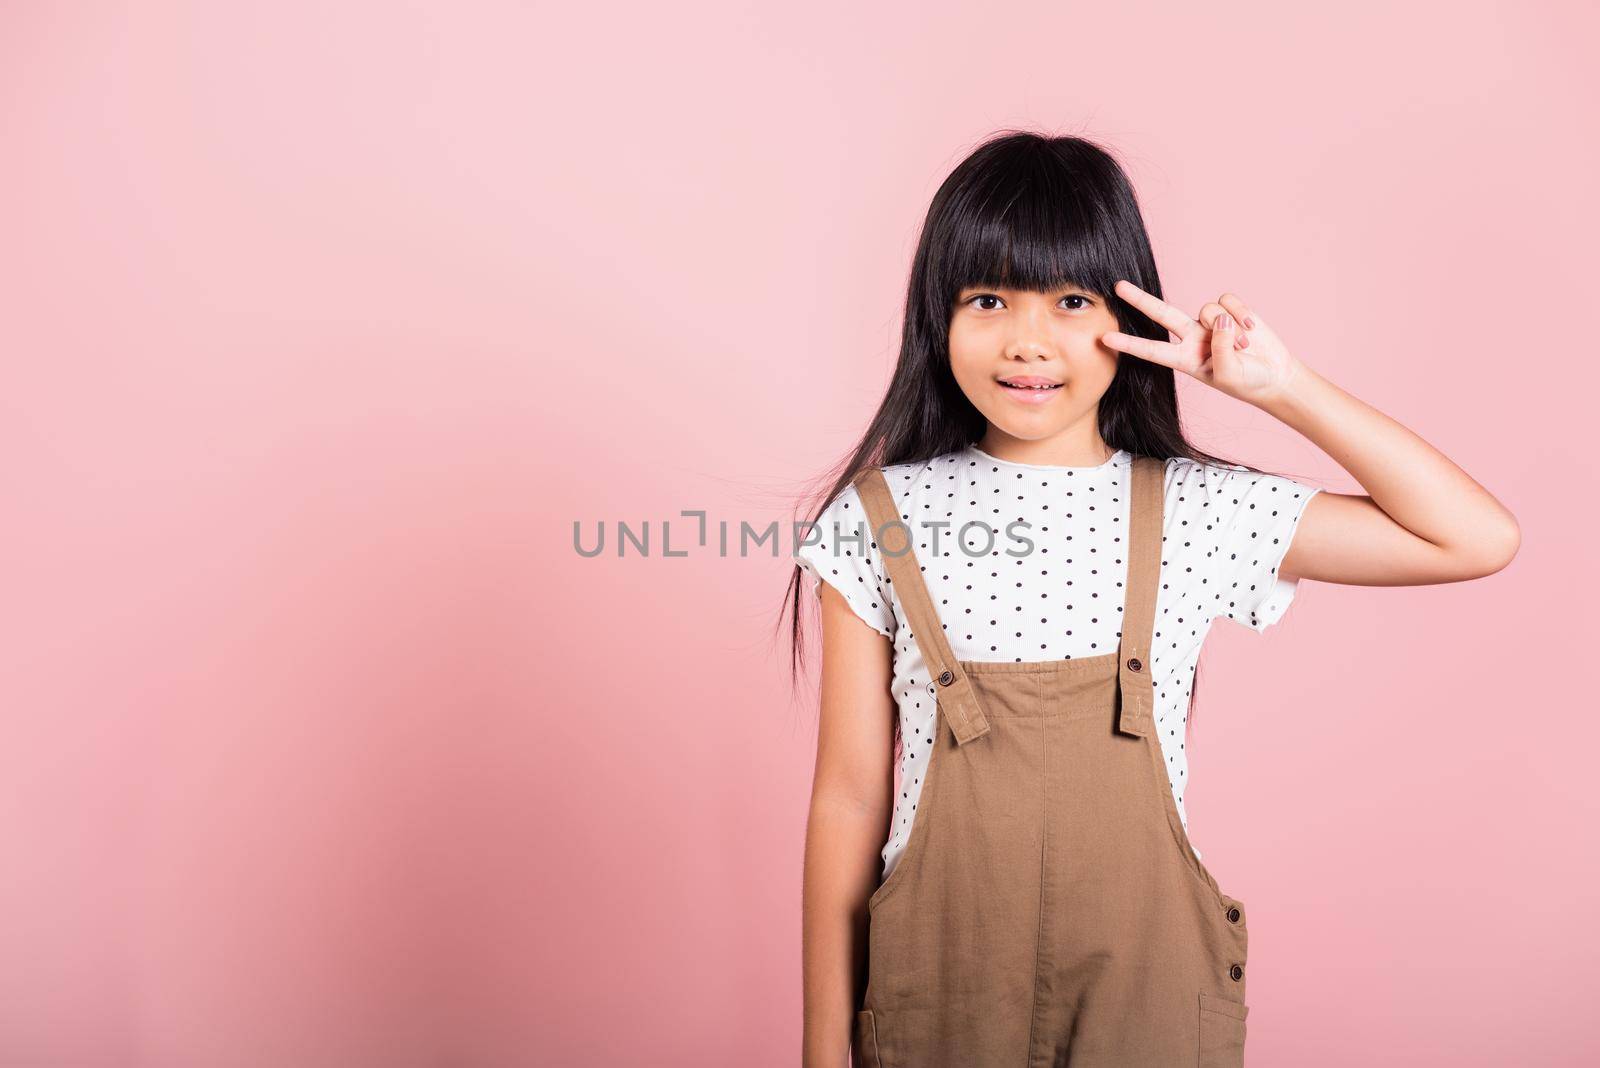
(1030, 389)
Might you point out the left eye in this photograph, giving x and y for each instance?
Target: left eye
(1083, 302)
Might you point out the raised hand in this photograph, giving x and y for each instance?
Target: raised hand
(1231, 347)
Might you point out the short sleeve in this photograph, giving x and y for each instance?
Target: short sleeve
(839, 551)
(1254, 516)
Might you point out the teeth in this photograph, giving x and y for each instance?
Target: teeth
(1013, 385)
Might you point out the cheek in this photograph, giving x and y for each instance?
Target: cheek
(966, 350)
(961, 334)
(1094, 348)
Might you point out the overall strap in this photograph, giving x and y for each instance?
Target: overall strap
(955, 693)
(1135, 689)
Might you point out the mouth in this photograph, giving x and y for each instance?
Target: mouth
(1030, 389)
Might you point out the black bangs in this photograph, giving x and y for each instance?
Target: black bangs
(1037, 237)
(1036, 214)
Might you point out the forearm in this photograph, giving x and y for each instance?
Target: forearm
(1414, 483)
(842, 850)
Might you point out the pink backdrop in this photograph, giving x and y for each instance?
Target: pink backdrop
(323, 323)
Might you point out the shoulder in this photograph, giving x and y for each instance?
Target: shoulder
(1218, 482)
(1230, 499)
(921, 472)
(908, 484)
(916, 480)
(1200, 472)
(839, 549)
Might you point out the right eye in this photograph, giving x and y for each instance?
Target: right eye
(983, 296)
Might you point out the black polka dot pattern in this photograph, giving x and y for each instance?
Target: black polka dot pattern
(1225, 532)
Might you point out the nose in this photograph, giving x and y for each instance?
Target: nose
(1029, 333)
(1027, 343)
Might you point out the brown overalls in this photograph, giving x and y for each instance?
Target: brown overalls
(1048, 909)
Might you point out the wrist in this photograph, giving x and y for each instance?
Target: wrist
(1292, 395)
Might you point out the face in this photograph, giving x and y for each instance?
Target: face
(1030, 339)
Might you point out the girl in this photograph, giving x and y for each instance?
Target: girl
(1017, 568)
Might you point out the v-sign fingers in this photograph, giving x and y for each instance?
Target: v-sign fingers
(1156, 308)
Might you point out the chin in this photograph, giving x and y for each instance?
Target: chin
(1029, 429)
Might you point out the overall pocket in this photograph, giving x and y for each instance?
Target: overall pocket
(1221, 1032)
(864, 1043)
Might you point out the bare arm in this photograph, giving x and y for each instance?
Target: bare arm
(852, 801)
(1423, 519)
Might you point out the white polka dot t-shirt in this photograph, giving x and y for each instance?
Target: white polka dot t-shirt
(1055, 595)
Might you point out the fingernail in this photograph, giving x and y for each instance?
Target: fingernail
(1222, 321)
(1249, 323)
(1240, 342)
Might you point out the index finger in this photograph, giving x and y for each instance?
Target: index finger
(1156, 308)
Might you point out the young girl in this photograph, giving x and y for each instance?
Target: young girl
(1017, 568)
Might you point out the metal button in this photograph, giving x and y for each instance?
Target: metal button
(1134, 663)
(1233, 915)
(946, 678)
(1236, 973)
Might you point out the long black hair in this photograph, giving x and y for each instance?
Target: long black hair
(1030, 212)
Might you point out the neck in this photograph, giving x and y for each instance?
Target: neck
(1063, 450)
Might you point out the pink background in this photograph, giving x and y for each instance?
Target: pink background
(323, 323)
